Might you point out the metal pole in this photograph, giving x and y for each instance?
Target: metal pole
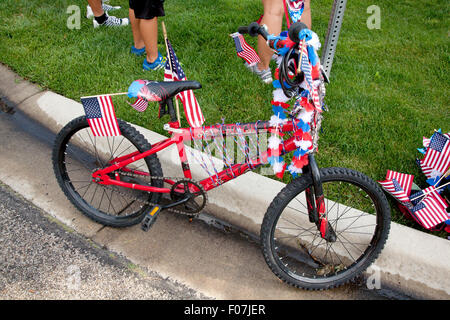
(334, 28)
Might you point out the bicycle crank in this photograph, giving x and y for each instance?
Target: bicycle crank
(184, 193)
(151, 216)
(189, 194)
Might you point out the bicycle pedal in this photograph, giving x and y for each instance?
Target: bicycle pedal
(150, 218)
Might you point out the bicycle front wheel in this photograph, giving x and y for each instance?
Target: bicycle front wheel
(359, 214)
(77, 154)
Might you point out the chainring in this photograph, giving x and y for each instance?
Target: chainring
(188, 188)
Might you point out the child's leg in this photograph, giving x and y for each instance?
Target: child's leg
(273, 19)
(101, 18)
(96, 6)
(149, 33)
(135, 28)
(306, 16)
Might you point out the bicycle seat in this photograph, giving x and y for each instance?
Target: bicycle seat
(168, 89)
(160, 90)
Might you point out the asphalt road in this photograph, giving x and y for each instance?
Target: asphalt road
(41, 259)
(176, 259)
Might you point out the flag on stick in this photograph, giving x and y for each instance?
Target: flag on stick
(429, 172)
(140, 104)
(430, 211)
(174, 72)
(433, 191)
(429, 207)
(405, 180)
(244, 50)
(437, 155)
(171, 70)
(101, 116)
(393, 187)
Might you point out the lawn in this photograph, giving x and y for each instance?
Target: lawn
(390, 86)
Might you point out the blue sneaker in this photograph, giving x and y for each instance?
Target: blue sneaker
(159, 63)
(138, 52)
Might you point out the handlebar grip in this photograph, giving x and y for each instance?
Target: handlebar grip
(295, 29)
(243, 30)
(254, 29)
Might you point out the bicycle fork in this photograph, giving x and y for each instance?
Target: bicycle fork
(316, 204)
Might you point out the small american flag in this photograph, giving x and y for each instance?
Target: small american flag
(426, 141)
(419, 196)
(393, 187)
(437, 155)
(101, 116)
(429, 172)
(140, 104)
(405, 180)
(174, 72)
(434, 192)
(431, 210)
(244, 50)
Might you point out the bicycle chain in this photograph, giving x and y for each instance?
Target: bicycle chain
(175, 179)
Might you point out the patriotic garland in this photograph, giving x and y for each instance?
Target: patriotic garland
(305, 106)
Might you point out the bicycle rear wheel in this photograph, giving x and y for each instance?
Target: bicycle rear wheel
(358, 212)
(77, 154)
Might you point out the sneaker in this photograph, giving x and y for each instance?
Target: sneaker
(159, 63)
(250, 67)
(265, 75)
(105, 7)
(112, 21)
(137, 52)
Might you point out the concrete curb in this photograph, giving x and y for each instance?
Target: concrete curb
(412, 261)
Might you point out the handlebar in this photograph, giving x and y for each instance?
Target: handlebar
(281, 44)
(254, 29)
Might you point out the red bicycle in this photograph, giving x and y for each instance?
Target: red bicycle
(321, 231)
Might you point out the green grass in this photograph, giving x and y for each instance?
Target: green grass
(389, 87)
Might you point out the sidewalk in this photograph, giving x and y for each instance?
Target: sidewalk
(412, 261)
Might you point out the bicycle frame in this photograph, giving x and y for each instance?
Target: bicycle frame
(179, 136)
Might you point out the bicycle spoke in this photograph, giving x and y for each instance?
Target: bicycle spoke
(301, 203)
(110, 203)
(117, 148)
(305, 213)
(86, 189)
(101, 199)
